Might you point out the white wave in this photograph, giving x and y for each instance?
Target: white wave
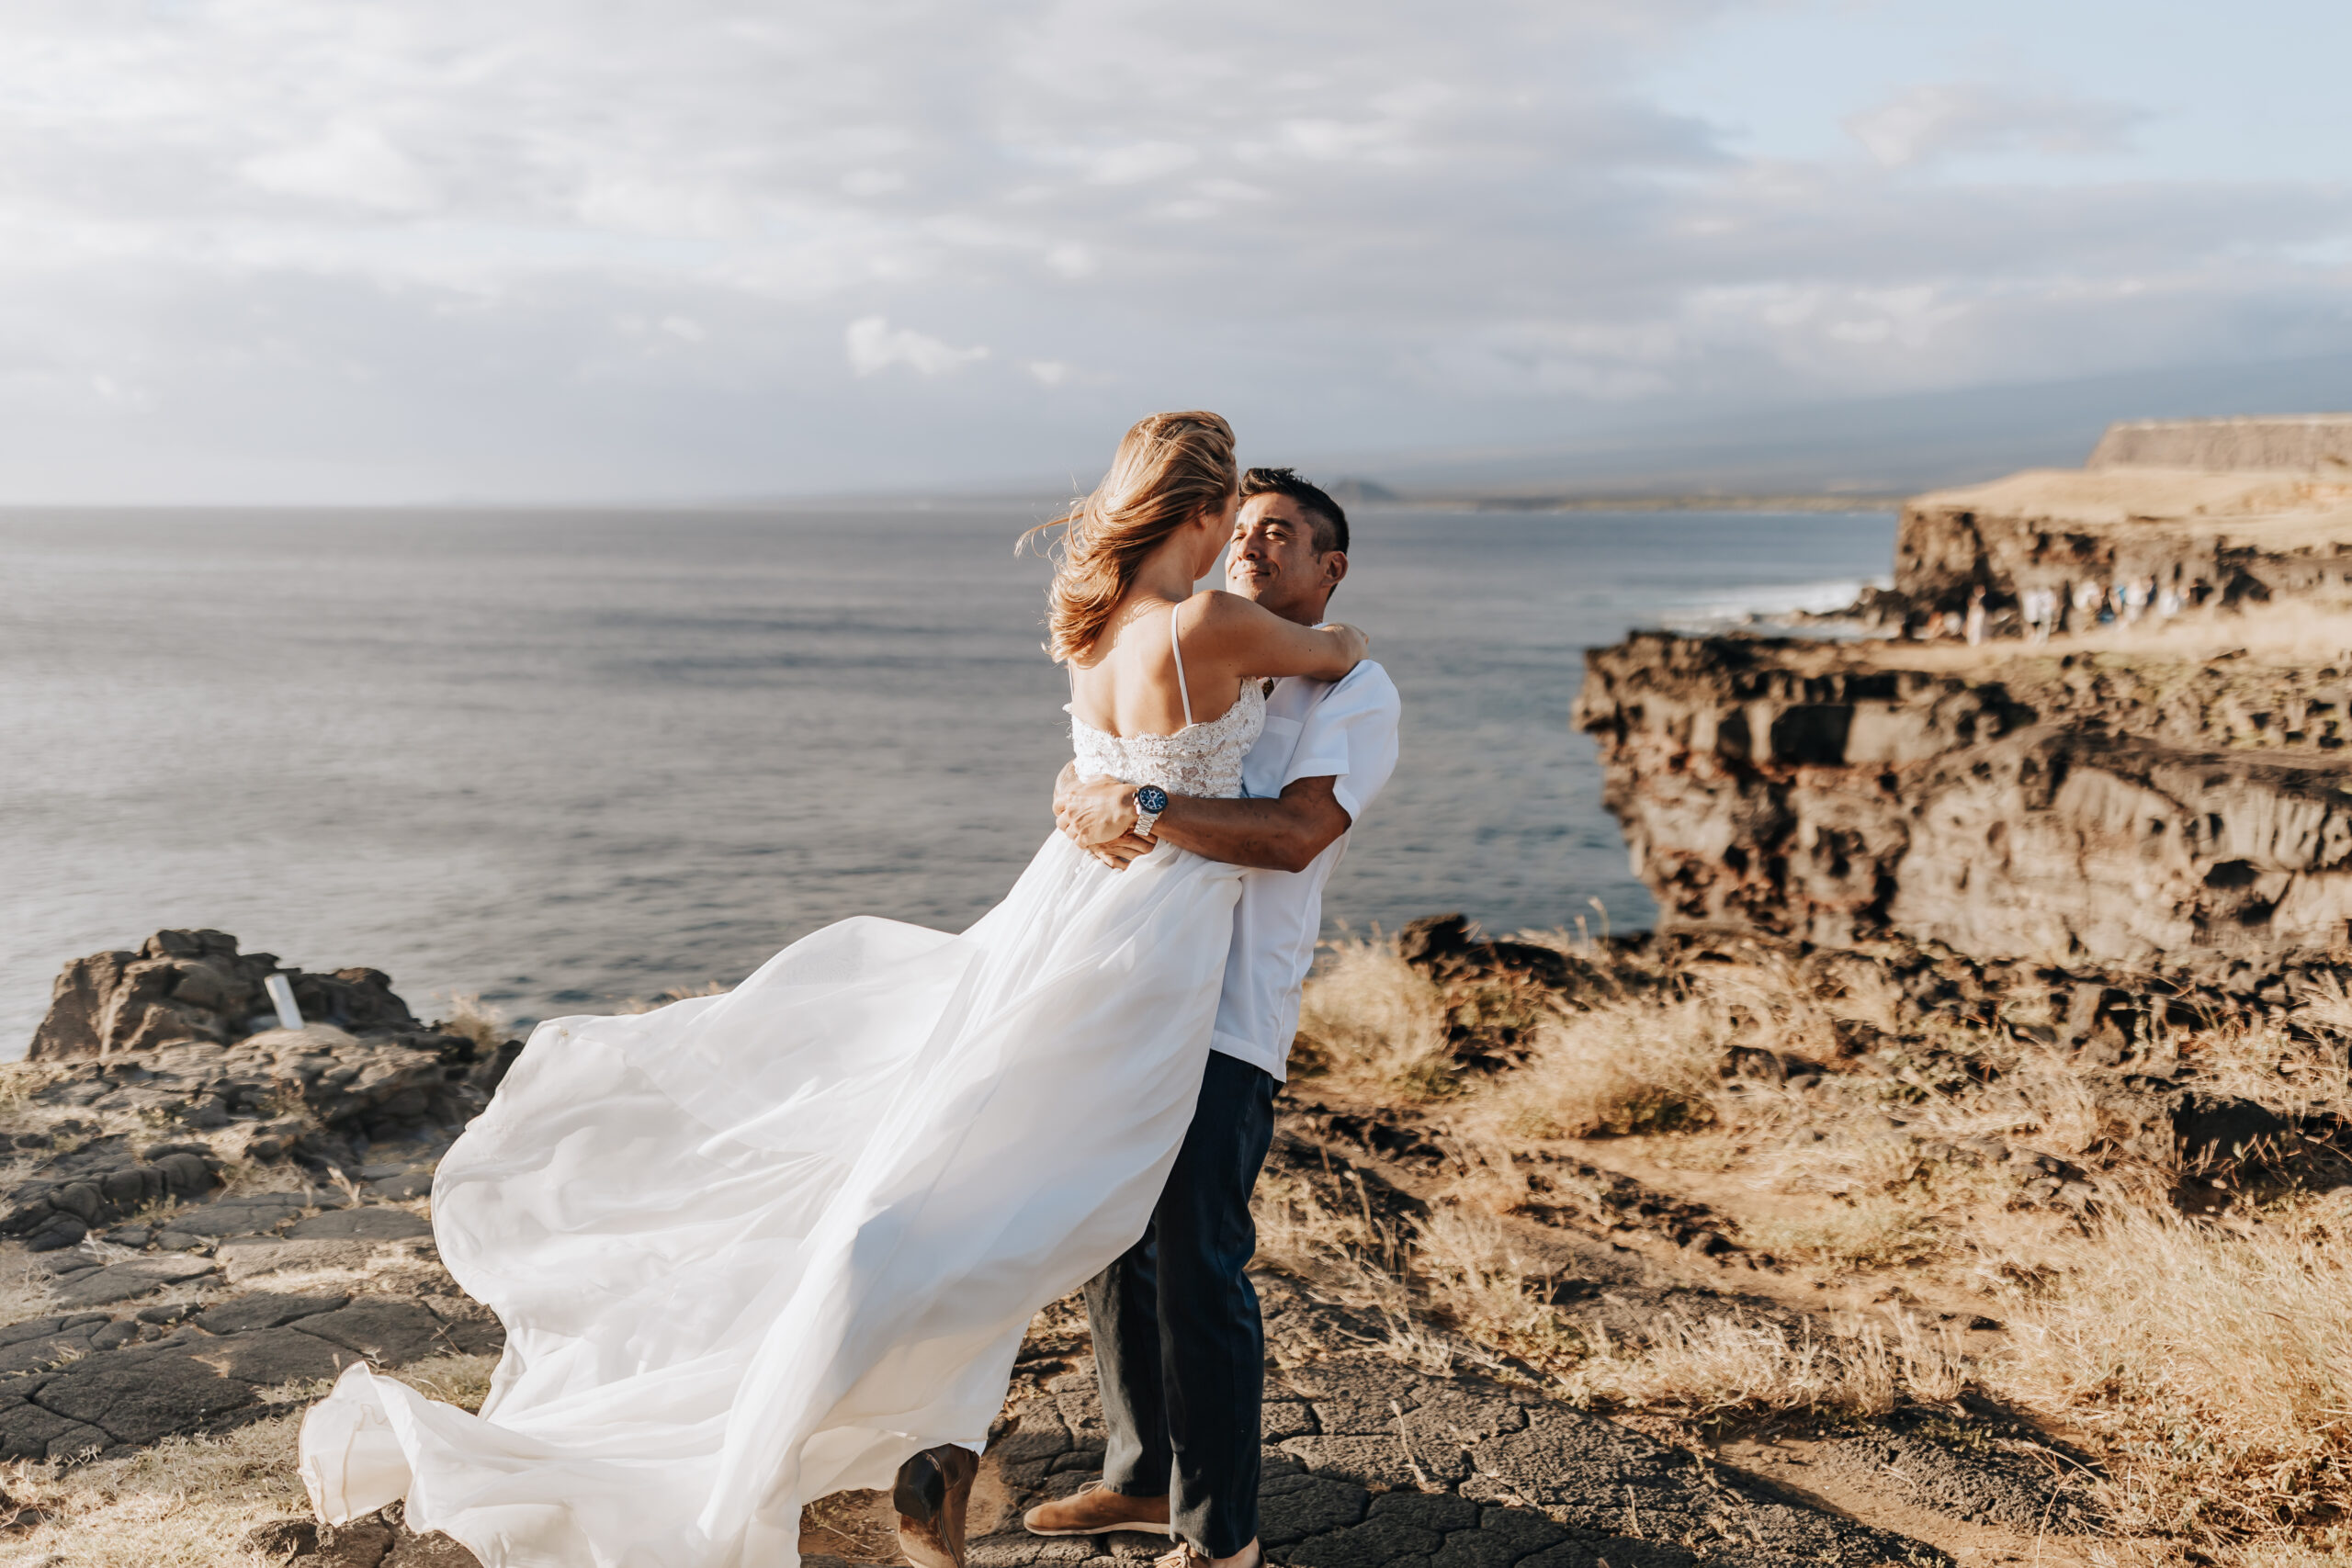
(1770, 602)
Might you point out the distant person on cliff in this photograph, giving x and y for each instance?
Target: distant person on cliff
(754, 1249)
(1178, 1348)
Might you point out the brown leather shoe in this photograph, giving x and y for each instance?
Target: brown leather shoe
(933, 1490)
(1096, 1509)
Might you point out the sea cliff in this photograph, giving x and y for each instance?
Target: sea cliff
(2223, 514)
(2152, 787)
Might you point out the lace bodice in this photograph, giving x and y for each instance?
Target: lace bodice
(1198, 759)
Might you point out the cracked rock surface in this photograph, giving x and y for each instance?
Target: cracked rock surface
(86, 1384)
(167, 1305)
(1374, 1463)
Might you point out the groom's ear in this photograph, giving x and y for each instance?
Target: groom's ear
(1335, 568)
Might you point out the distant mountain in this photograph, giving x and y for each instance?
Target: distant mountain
(1876, 445)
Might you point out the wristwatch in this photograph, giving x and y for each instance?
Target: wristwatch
(1151, 801)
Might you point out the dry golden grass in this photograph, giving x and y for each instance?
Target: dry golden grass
(20, 1080)
(1726, 1363)
(1847, 1238)
(2213, 1360)
(1334, 1238)
(1624, 1067)
(2208, 1363)
(1458, 1264)
(1374, 1025)
(24, 1285)
(406, 1267)
(486, 1026)
(1466, 1265)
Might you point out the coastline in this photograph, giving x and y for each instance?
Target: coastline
(1958, 1173)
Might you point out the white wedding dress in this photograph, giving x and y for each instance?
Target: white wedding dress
(753, 1249)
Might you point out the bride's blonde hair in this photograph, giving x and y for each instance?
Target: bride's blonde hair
(1170, 467)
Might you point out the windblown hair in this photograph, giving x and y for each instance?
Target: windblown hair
(1170, 467)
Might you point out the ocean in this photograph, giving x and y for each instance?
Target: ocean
(561, 759)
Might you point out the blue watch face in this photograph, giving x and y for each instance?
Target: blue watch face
(1151, 798)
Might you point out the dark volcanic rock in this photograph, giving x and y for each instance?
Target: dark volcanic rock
(267, 1356)
(87, 1383)
(1448, 948)
(195, 986)
(29, 1431)
(2036, 812)
(264, 1309)
(127, 1279)
(2211, 1125)
(367, 1224)
(100, 1182)
(181, 1031)
(389, 1331)
(137, 1396)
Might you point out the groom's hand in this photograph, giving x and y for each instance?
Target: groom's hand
(1119, 852)
(1097, 812)
(1099, 817)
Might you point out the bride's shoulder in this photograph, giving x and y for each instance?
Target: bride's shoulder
(1212, 608)
(1214, 621)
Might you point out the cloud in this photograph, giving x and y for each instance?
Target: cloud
(351, 162)
(875, 346)
(402, 252)
(1138, 162)
(1946, 119)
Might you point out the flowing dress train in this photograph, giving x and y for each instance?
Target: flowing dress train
(753, 1248)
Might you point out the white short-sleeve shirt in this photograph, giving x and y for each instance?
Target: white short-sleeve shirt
(1344, 730)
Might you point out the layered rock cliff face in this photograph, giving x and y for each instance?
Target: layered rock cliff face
(2192, 819)
(2220, 512)
(2150, 798)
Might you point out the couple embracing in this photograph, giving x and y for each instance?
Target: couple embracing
(753, 1249)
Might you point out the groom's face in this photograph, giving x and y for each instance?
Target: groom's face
(1272, 559)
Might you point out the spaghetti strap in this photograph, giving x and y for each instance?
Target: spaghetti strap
(1177, 649)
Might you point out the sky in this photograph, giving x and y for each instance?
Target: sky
(276, 251)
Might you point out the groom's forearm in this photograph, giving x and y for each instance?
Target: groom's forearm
(1284, 834)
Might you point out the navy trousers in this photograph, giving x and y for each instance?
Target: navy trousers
(1178, 1348)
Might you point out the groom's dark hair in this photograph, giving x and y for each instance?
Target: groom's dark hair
(1331, 524)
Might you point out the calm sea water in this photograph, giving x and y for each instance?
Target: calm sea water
(561, 760)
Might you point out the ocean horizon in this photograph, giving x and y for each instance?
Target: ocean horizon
(559, 759)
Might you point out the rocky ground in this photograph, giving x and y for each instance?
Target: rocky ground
(202, 1234)
(1669, 1250)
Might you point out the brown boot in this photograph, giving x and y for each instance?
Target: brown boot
(1096, 1509)
(933, 1490)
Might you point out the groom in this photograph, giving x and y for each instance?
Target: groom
(1178, 1348)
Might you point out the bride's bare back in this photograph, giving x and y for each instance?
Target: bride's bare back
(1132, 684)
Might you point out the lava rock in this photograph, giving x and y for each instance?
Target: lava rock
(125, 1280)
(2219, 1125)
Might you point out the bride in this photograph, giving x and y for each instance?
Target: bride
(753, 1249)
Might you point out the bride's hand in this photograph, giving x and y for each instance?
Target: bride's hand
(1357, 641)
